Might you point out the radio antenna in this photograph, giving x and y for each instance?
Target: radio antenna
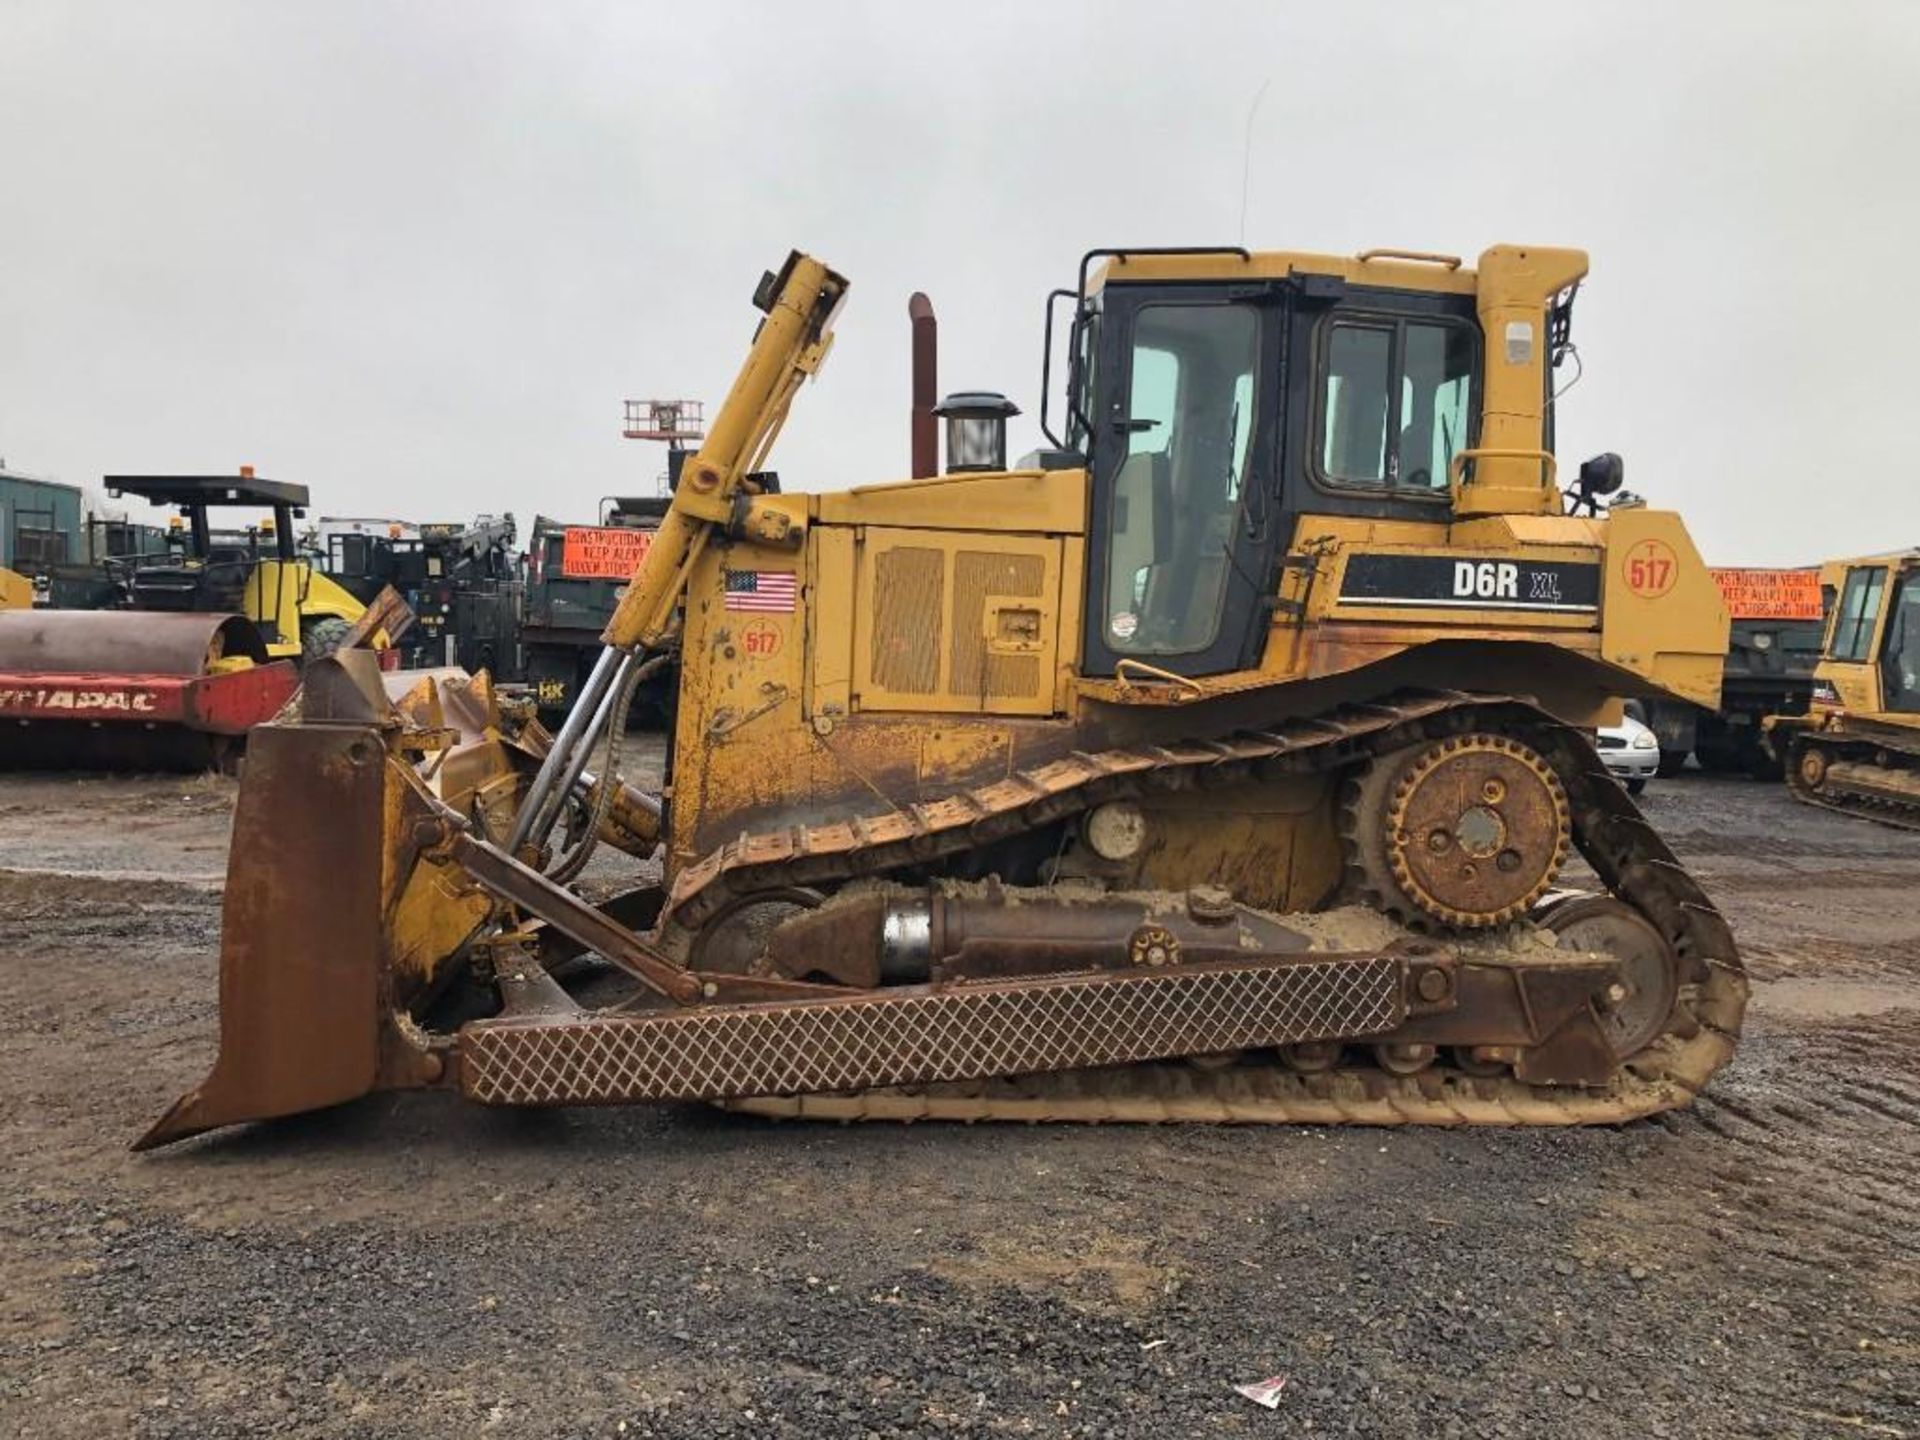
(1246, 157)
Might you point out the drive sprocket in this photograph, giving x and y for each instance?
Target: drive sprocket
(1465, 831)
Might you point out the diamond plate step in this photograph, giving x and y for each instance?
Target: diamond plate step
(921, 1036)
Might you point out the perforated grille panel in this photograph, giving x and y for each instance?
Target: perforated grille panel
(907, 606)
(956, 1035)
(972, 672)
(955, 622)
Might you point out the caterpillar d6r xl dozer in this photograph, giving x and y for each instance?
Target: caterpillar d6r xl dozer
(1220, 763)
(1857, 748)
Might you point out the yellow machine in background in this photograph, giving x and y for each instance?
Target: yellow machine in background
(1220, 762)
(256, 571)
(166, 659)
(1857, 748)
(16, 590)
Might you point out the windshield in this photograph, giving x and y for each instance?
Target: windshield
(1177, 491)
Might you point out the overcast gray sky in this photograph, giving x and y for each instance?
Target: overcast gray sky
(415, 255)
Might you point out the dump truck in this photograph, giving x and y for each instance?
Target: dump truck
(1224, 762)
(575, 574)
(1772, 649)
(176, 654)
(1857, 747)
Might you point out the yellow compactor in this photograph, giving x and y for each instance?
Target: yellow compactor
(178, 653)
(1223, 760)
(1857, 749)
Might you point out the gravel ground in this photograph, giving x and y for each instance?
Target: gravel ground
(409, 1265)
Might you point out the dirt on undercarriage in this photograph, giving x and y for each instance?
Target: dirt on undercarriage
(414, 1266)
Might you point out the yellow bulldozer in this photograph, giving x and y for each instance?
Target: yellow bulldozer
(1857, 749)
(1219, 762)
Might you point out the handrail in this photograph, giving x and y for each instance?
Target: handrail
(1152, 672)
(1457, 467)
(1424, 257)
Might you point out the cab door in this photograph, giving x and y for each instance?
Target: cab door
(1852, 633)
(1185, 422)
(1900, 650)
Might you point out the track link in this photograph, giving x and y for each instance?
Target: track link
(1850, 772)
(1628, 856)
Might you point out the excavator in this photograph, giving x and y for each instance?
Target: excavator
(1226, 760)
(1857, 749)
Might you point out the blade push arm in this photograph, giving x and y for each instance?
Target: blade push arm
(800, 303)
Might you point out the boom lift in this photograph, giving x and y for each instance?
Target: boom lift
(1219, 763)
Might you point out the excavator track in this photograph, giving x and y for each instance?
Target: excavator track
(1846, 775)
(1629, 858)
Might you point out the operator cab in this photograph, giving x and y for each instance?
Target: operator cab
(206, 569)
(1216, 395)
(1876, 623)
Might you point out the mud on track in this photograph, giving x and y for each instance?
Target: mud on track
(408, 1265)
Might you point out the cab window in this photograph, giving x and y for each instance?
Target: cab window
(1859, 607)
(1396, 403)
(1177, 491)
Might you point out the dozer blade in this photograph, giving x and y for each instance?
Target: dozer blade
(300, 942)
(387, 613)
(129, 689)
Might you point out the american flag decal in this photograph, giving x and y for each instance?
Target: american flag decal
(766, 591)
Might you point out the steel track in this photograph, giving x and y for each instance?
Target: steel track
(1628, 856)
(1900, 813)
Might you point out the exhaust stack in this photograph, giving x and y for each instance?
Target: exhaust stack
(926, 386)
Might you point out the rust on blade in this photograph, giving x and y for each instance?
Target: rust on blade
(301, 947)
(388, 611)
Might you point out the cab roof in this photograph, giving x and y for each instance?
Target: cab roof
(1391, 269)
(207, 489)
(1891, 559)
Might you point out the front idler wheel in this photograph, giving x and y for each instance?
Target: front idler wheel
(1637, 1009)
(1811, 764)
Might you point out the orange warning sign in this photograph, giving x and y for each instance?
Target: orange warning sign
(1771, 594)
(596, 553)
